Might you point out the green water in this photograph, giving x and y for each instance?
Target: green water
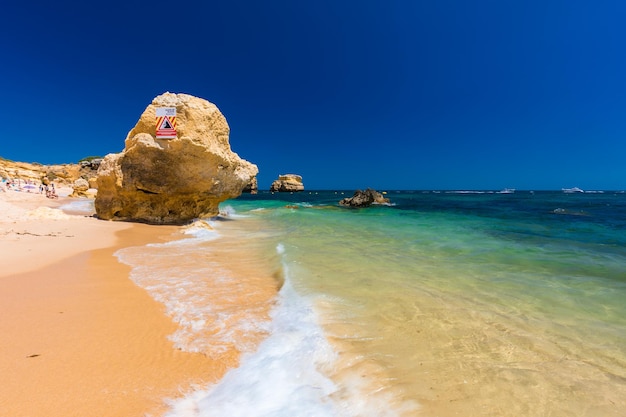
(473, 305)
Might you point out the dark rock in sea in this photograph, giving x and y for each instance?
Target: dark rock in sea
(364, 199)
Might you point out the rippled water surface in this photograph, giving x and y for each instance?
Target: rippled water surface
(440, 304)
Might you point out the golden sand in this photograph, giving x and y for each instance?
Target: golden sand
(78, 337)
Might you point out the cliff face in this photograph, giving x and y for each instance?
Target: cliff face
(60, 174)
(172, 180)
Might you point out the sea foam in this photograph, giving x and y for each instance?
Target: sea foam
(287, 375)
(280, 379)
(197, 292)
(288, 366)
(82, 205)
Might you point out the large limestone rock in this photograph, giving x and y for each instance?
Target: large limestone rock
(287, 183)
(172, 181)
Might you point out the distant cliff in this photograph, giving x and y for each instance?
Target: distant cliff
(35, 172)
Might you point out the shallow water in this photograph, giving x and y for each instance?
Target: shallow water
(441, 304)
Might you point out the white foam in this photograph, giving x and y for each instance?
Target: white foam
(82, 205)
(282, 378)
(280, 249)
(229, 211)
(287, 375)
(193, 290)
(201, 229)
(292, 371)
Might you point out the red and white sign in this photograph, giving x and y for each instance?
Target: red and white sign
(166, 122)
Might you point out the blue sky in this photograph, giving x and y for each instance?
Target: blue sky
(447, 94)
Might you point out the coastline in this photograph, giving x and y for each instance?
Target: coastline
(449, 339)
(79, 337)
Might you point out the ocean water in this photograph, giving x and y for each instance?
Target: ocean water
(440, 304)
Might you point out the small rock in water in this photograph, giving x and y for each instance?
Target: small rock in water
(364, 199)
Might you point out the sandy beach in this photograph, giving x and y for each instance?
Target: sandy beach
(78, 336)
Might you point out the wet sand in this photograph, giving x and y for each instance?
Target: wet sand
(78, 337)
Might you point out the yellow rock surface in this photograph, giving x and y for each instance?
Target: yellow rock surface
(173, 181)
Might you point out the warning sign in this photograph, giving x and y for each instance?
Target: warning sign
(166, 122)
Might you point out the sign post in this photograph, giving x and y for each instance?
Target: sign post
(166, 122)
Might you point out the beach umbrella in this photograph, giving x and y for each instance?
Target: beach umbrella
(29, 187)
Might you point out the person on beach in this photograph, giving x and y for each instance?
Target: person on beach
(51, 192)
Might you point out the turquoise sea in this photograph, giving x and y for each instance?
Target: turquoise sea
(439, 304)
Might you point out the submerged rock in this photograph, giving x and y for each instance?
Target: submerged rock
(287, 183)
(364, 199)
(172, 180)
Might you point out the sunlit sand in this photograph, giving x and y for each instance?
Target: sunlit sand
(78, 337)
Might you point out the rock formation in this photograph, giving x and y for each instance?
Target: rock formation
(287, 183)
(172, 181)
(35, 172)
(364, 199)
(80, 188)
(93, 182)
(252, 187)
(93, 163)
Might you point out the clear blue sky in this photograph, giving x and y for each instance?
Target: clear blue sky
(414, 94)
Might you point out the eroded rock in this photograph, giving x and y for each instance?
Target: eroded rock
(364, 199)
(80, 188)
(287, 183)
(173, 181)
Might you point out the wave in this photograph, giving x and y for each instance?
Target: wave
(288, 375)
(79, 206)
(199, 294)
(570, 212)
(229, 211)
(281, 378)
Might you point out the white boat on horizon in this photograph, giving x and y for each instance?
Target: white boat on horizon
(572, 190)
(506, 191)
